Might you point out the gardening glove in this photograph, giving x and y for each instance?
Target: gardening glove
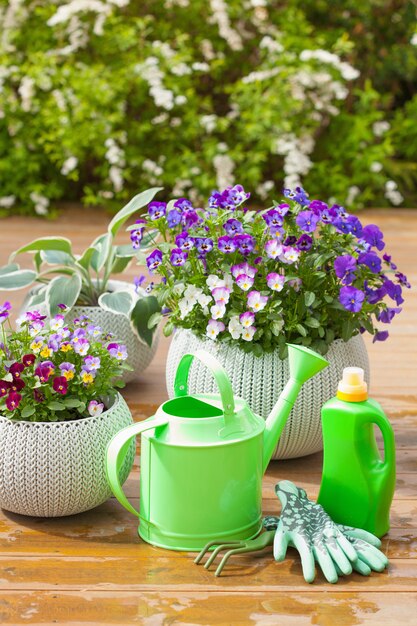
(307, 527)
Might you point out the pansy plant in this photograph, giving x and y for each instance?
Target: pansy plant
(54, 371)
(300, 271)
(64, 277)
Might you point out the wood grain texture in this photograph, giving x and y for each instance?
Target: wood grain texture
(93, 569)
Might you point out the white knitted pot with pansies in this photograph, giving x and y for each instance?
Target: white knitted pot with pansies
(260, 380)
(52, 469)
(139, 353)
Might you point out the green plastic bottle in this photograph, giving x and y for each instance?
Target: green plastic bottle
(357, 485)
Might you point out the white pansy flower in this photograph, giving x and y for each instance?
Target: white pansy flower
(379, 128)
(235, 328)
(192, 293)
(204, 300)
(228, 281)
(248, 333)
(214, 281)
(178, 289)
(218, 310)
(376, 167)
(185, 307)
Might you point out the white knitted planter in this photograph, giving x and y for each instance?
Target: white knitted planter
(260, 380)
(52, 469)
(139, 353)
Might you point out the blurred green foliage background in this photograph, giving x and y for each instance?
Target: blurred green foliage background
(102, 98)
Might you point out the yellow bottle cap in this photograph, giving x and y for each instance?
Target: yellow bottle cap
(352, 387)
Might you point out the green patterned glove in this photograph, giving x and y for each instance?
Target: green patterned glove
(306, 526)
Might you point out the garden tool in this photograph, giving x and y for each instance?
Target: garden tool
(203, 457)
(304, 525)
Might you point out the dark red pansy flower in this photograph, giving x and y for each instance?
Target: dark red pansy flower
(28, 360)
(60, 385)
(38, 395)
(13, 400)
(4, 388)
(17, 385)
(16, 369)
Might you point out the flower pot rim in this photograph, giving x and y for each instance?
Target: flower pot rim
(115, 404)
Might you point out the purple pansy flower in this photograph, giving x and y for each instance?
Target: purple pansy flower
(233, 227)
(82, 346)
(388, 314)
(275, 281)
(156, 210)
(91, 363)
(238, 194)
(174, 218)
(138, 282)
(184, 241)
(307, 221)
(318, 207)
(226, 244)
(204, 245)
(67, 370)
(282, 209)
(374, 295)
(304, 243)
(344, 267)
(387, 258)
(351, 298)
(154, 260)
(5, 311)
(273, 218)
(118, 351)
(221, 295)
(136, 234)
(381, 335)
(298, 195)
(394, 291)
(371, 260)
(328, 215)
(244, 281)
(243, 268)
(44, 371)
(190, 218)
(183, 204)
(178, 257)
(350, 225)
(244, 243)
(247, 319)
(402, 279)
(372, 235)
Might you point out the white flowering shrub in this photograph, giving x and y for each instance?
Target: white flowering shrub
(102, 97)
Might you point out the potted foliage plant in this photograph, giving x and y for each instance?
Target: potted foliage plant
(59, 408)
(83, 282)
(242, 283)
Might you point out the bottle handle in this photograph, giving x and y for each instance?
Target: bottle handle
(116, 454)
(388, 437)
(219, 373)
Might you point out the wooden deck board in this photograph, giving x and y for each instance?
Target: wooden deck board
(93, 569)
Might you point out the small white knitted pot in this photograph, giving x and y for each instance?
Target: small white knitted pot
(260, 380)
(139, 353)
(52, 469)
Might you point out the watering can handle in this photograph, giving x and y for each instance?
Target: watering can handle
(219, 373)
(116, 454)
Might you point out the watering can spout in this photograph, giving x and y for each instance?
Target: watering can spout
(304, 364)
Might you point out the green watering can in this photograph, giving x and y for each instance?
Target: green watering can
(203, 457)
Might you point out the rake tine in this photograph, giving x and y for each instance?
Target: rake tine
(215, 552)
(225, 559)
(206, 548)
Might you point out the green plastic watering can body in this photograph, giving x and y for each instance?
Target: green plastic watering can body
(202, 461)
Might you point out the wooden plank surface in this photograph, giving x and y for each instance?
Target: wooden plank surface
(93, 569)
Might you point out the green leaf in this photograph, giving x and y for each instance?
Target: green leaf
(55, 406)
(62, 290)
(56, 257)
(347, 329)
(7, 269)
(102, 247)
(85, 259)
(301, 330)
(72, 403)
(309, 298)
(27, 411)
(154, 320)
(136, 203)
(168, 328)
(141, 314)
(118, 302)
(125, 251)
(276, 327)
(17, 279)
(120, 264)
(37, 298)
(312, 322)
(328, 298)
(45, 243)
